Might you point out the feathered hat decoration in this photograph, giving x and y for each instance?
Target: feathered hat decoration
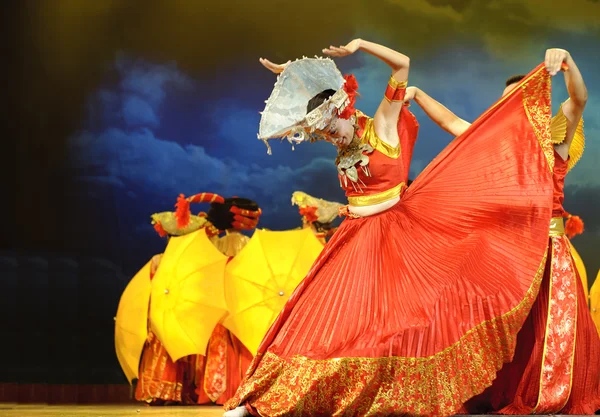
(181, 221)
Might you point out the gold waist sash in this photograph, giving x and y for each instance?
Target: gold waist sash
(372, 199)
(557, 227)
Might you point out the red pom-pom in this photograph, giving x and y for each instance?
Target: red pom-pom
(159, 229)
(350, 87)
(573, 226)
(309, 213)
(182, 214)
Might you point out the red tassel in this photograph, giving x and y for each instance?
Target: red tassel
(310, 213)
(159, 229)
(573, 226)
(182, 214)
(351, 85)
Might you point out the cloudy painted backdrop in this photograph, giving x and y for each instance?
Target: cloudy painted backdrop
(123, 105)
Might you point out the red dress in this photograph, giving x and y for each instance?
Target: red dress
(556, 369)
(218, 374)
(415, 309)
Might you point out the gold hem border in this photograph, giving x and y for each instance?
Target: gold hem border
(429, 388)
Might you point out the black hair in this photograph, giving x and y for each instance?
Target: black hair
(514, 79)
(322, 227)
(221, 216)
(319, 99)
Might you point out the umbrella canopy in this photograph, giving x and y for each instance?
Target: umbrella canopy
(581, 270)
(595, 301)
(131, 322)
(260, 279)
(188, 294)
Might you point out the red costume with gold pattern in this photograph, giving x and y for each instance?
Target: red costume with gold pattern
(556, 369)
(413, 310)
(218, 374)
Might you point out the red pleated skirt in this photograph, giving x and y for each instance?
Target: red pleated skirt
(413, 311)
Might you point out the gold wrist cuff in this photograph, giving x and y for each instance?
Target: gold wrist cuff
(395, 84)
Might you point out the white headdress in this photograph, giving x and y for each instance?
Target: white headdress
(285, 113)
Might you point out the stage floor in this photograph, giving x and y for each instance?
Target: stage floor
(29, 410)
(19, 410)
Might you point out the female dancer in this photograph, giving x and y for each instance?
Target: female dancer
(556, 369)
(214, 377)
(161, 380)
(218, 374)
(415, 302)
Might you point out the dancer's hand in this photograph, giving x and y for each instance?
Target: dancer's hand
(555, 58)
(410, 94)
(343, 50)
(274, 68)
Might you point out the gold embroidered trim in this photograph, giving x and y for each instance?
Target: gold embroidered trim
(396, 85)
(370, 137)
(545, 350)
(369, 200)
(551, 407)
(433, 385)
(538, 111)
(557, 227)
(574, 269)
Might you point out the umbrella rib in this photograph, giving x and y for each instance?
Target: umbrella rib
(296, 258)
(253, 283)
(269, 265)
(180, 328)
(133, 333)
(260, 304)
(289, 272)
(195, 271)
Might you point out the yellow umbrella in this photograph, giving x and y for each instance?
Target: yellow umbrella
(261, 278)
(595, 301)
(188, 294)
(581, 269)
(131, 322)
